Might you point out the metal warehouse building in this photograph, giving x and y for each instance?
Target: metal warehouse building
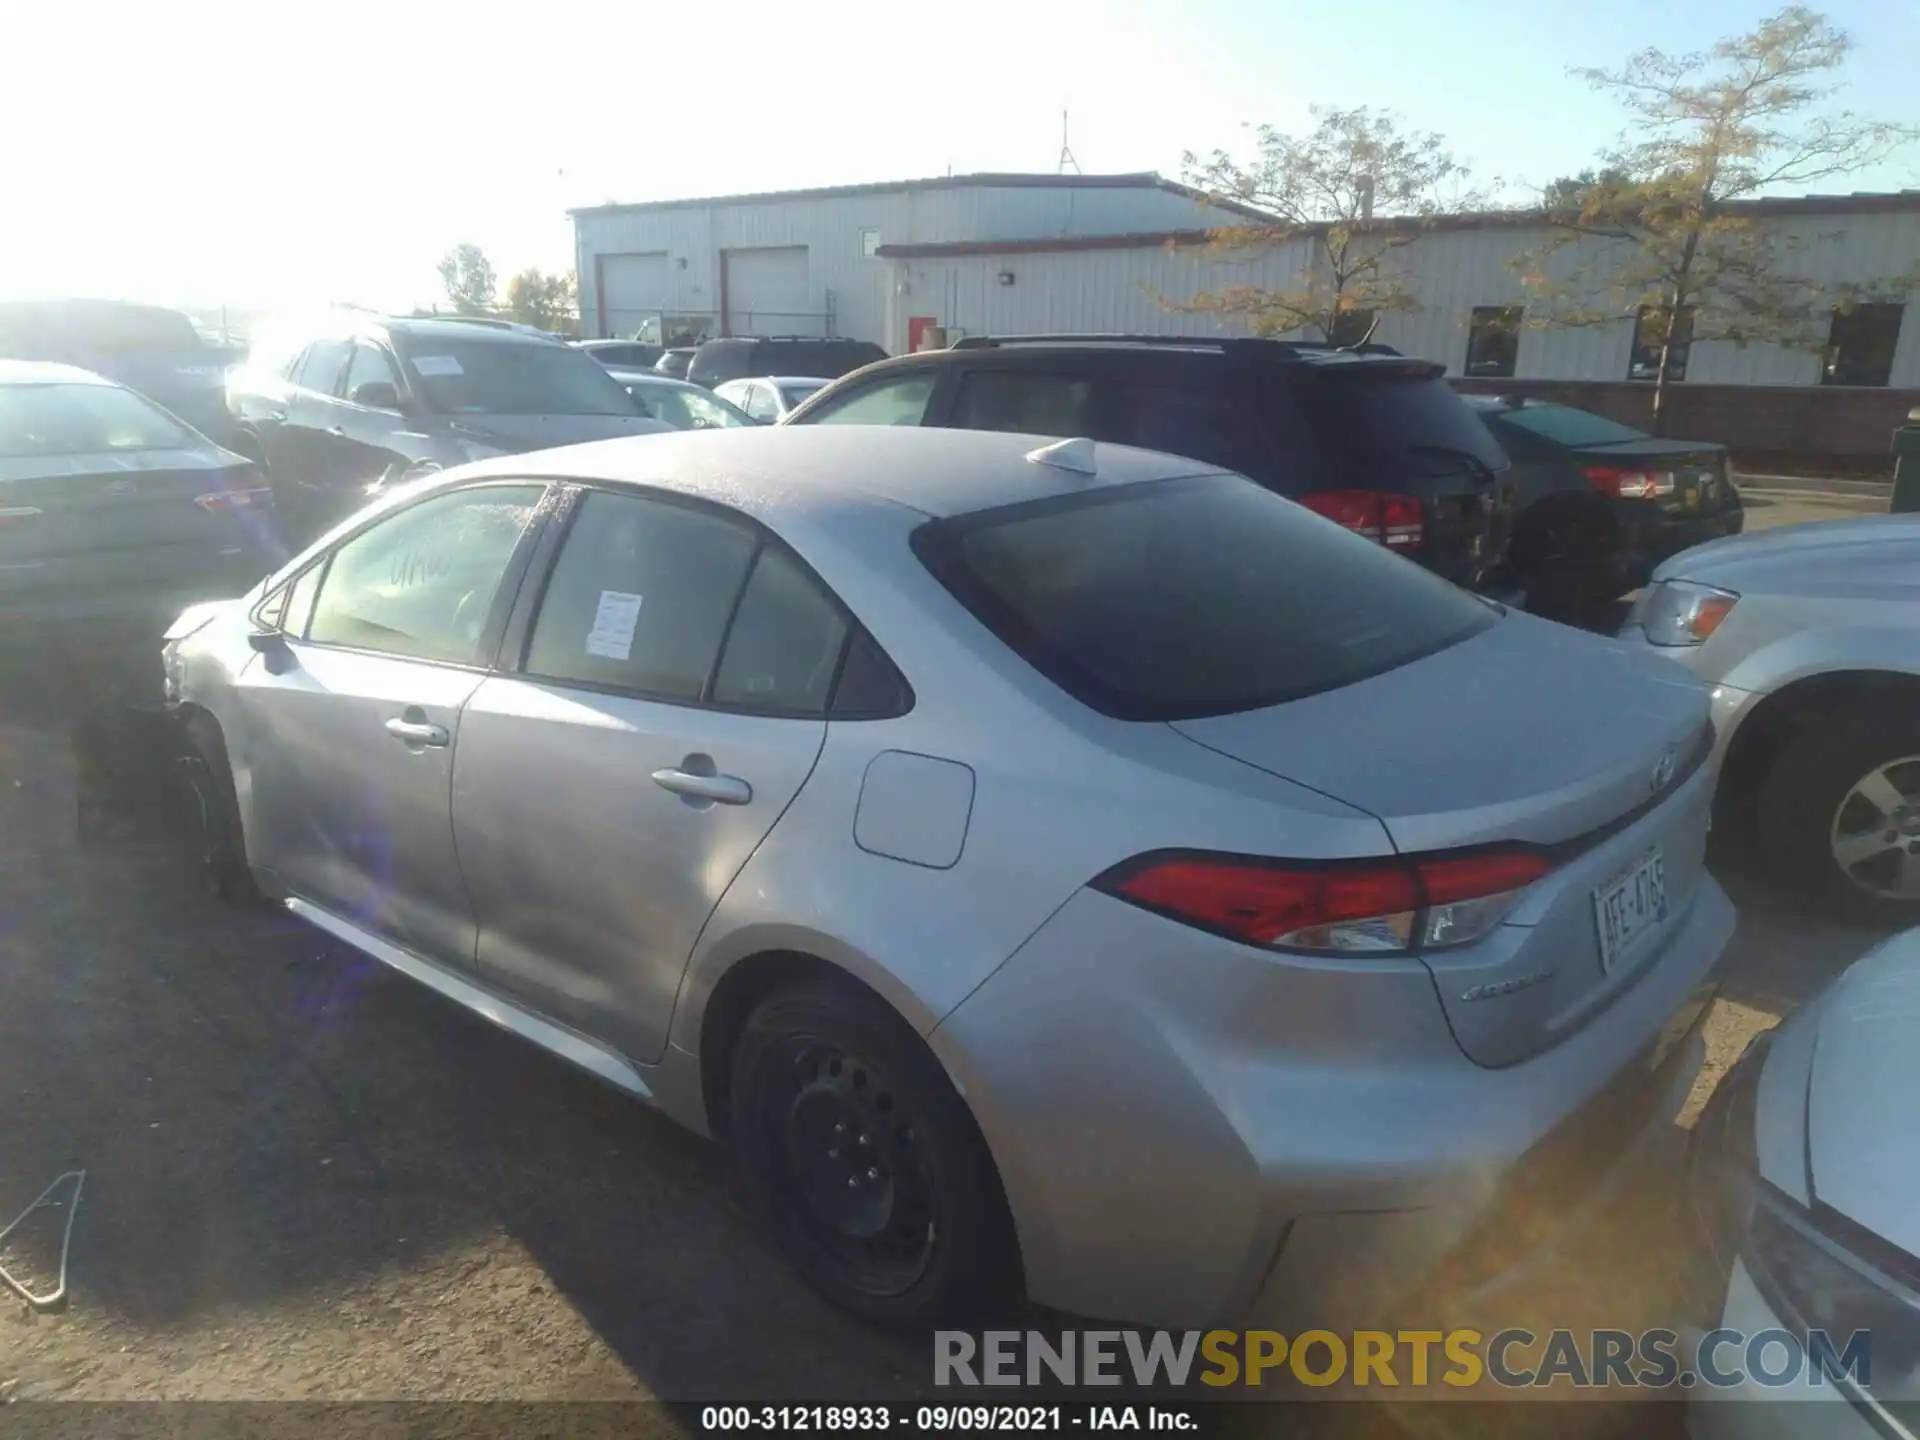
(1006, 254)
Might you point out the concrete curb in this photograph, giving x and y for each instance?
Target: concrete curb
(1817, 484)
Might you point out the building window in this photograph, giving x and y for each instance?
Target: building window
(1351, 327)
(869, 243)
(1860, 345)
(1493, 340)
(1648, 331)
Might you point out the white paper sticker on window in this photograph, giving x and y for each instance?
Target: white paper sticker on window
(437, 365)
(612, 633)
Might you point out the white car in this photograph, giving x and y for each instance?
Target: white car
(770, 398)
(1811, 1182)
(1810, 636)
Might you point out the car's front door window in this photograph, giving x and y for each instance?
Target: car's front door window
(423, 583)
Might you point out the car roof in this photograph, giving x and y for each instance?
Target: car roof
(794, 379)
(460, 330)
(777, 473)
(1041, 353)
(654, 377)
(47, 372)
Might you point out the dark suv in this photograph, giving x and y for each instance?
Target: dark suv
(741, 357)
(368, 400)
(1368, 438)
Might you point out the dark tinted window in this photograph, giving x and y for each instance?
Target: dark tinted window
(870, 688)
(320, 367)
(1024, 402)
(1193, 597)
(505, 377)
(1383, 423)
(1493, 340)
(1202, 422)
(785, 642)
(422, 583)
(829, 359)
(83, 420)
(640, 597)
(1564, 425)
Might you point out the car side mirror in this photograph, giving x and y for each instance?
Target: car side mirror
(376, 395)
(272, 644)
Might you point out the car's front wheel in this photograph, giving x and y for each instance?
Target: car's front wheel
(866, 1163)
(1839, 817)
(216, 848)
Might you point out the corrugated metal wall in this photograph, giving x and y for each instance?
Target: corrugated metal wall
(1453, 271)
(831, 228)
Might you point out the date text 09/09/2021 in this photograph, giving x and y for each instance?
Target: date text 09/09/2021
(948, 1419)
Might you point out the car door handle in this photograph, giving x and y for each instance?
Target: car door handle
(417, 732)
(336, 430)
(721, 789)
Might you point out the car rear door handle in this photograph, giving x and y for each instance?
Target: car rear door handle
(721, 789)
(417, 732)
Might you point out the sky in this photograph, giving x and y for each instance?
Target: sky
(204, 152)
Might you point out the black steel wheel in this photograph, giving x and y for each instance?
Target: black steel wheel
(866, 1163)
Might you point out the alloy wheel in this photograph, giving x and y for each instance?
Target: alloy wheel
(1875, 834)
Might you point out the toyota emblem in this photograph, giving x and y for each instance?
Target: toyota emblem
(1663, 768)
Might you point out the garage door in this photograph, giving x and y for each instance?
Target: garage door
(631, 288)
(767, 293)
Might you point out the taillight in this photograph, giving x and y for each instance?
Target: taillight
(1389, 906)
(1397, 521)
(256, 497)
(1628, 484)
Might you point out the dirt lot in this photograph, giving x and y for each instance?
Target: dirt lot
(308, 1178)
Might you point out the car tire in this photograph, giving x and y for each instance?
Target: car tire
(866, 1164)
(215, 843)
(1814, 799)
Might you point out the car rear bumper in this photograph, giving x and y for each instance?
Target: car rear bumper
(1191, 1131)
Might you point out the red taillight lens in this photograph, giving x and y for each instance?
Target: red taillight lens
(1377, 906)
(256, 497)
(1628, 484)
(1397, 521)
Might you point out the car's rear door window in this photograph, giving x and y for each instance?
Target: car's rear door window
(1199, 596)
(640, 597)
(784, 644)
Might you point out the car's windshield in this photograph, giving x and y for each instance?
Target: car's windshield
(686, 407)
(1199, 596)
(41, 420)
(504, 377)
(1564, 425)
(792, 392)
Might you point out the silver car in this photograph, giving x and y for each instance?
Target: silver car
(1810, 636)
(1071, 870)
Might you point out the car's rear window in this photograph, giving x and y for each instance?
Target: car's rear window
(1199, 596)
(1564, 425)
(1400, 423)
(46, 420)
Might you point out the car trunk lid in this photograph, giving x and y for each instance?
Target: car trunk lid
(1582, 752)
(1701, 482)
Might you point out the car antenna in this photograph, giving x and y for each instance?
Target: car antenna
(1075, 455)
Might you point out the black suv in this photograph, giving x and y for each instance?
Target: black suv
(1367, 437)
(742, 357)
(367, 400)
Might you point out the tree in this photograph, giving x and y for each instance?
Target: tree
(1665, 231)
(542, 300)
(467, 276)
(1326, 187)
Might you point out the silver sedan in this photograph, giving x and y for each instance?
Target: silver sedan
(1051, 868)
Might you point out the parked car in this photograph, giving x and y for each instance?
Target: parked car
(147, 348)
(622, 354)
(771, 398)
(674, 360)
(113, 512)
(1602, 503)
(1374, 441)
(1057, 869)
(1807, 1180)
(737, 357)
(680, 403)
(367, 400)
(1810, 636)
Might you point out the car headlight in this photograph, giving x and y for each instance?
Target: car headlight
(1679, 612)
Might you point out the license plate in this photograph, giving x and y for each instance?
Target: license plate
(1627, 908)
(1690, 498)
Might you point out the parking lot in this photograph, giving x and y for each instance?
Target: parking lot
(309, 1178)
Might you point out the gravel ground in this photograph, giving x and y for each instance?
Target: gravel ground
(307, 1178)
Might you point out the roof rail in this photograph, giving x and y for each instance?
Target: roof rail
(1226, 344)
